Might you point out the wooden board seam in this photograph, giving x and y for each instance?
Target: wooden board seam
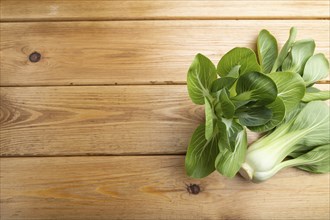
(98, 155)
(162, 19)
(168, 83)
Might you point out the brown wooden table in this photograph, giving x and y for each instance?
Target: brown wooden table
(95, 124)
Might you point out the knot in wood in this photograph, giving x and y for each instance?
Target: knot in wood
(193, 189)
(35, 57)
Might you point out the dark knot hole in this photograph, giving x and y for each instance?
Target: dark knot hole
(35, 57)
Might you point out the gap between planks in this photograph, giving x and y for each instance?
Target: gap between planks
(165, 19)
(99, 155)
(168, 83)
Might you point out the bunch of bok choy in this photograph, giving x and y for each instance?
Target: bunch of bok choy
(270, 92)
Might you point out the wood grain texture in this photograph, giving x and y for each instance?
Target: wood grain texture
(130, 52)
(148, 187)
(97, 120)
(129, 43)
(102, 120)
(34, 10)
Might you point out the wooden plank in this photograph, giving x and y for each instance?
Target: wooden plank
(151, 187)
(130, 52)
(97, 120)
(34, 10)
(102, 120)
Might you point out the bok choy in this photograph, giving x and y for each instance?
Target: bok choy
(307, 133)
(267, 91)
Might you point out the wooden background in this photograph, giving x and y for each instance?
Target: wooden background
(98, 128)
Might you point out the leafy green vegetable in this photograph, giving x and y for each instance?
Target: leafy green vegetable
(309, 128)
(314, 96)
(316, 68)
(254, 116)
(278, 112)
(314, 120)
(209, 122)
(267, 50)
(201, 154)
(256, 87)
(291, 88)
(224, 138)
(315, 161)
(229, 162)
(285, 50)
(240, 58)
(300, 52)
(201, 75)
(228, 131)
(234, 72)
(271, 97)
(224, 82)
(227, 107)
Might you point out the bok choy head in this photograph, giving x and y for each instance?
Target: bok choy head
(305, 137)
(262, 91)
